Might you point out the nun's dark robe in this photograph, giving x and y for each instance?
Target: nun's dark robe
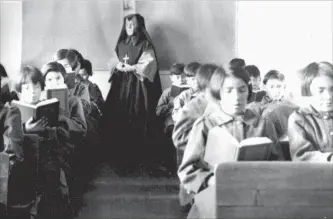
(129, 114)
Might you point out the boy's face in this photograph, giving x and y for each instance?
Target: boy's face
(30, 93)
(322, 93)
(176, 79)
(275, 89)
(192, 82)
(255, 81)
(234, 94)
(83, 73)
(54, 80)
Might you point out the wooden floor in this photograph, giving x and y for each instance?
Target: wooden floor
(111, 196)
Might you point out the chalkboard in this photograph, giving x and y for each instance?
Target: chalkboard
(188, 30)
(91, 27)
(182, 31)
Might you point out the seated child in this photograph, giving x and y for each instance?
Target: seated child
(274, 103)
(232, 89)
(184, 97)
(57, 143)
(6, 95)
(72, 61)
(96, 97)
(11, 142)
(11, 131)
(310, 129)
(165, 104)
(254, 73)
(189, 113)
(274, 86)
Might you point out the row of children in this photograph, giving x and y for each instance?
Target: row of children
(231, 98)
(65, 155)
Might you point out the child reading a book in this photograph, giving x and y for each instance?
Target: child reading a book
(232, 88)
(56, 143)
(165, 104)
(310, 128)
(72, 61)
(184, 97)
(189, 113)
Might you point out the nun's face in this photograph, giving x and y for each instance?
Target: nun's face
(130, 25)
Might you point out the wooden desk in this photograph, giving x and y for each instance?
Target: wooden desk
(276, 190)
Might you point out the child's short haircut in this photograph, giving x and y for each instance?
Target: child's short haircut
(30, 74)
(54, 67)
(217, 80)
(252, 70)
(177, 69)
(204, 74)
(191, 68)
(311, 71)
(86, 65)
(73, 56)
(237, 63)
(3, 72)
(273, 74)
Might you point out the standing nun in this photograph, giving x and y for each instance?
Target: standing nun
(129, 113)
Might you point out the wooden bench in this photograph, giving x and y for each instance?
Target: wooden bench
(272, 190)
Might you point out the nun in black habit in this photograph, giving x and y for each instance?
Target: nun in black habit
(130, 126)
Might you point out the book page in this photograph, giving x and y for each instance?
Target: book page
(221, 146)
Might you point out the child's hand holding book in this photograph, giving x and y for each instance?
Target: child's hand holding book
(38, 126)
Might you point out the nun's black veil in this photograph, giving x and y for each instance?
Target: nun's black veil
(139, 35)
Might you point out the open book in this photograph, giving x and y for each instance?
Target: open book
(4, 176)
(176, 90)
(47, 108)
(62, 95)
(223, 147)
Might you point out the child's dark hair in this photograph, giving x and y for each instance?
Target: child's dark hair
(73, 56)
(273, 74)
(311, 71)
(252, 70)
(204, 74)
(86, 65)
(237, 63)
(177, 69)
(3, 72)
(30, 74)
(191, 68)
(54, 67)
(217, 80)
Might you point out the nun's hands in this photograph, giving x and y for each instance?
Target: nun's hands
(119, 66)
(128, 68)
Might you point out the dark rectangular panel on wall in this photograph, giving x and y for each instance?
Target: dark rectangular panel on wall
(188, 30)
(91, 27)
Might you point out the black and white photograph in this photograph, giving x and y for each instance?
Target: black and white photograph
(166, 109)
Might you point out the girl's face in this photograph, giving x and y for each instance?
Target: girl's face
(321, 89)
(130, 26)
(54, 80)
(30, 92)
(83, 73)
(234, 94)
